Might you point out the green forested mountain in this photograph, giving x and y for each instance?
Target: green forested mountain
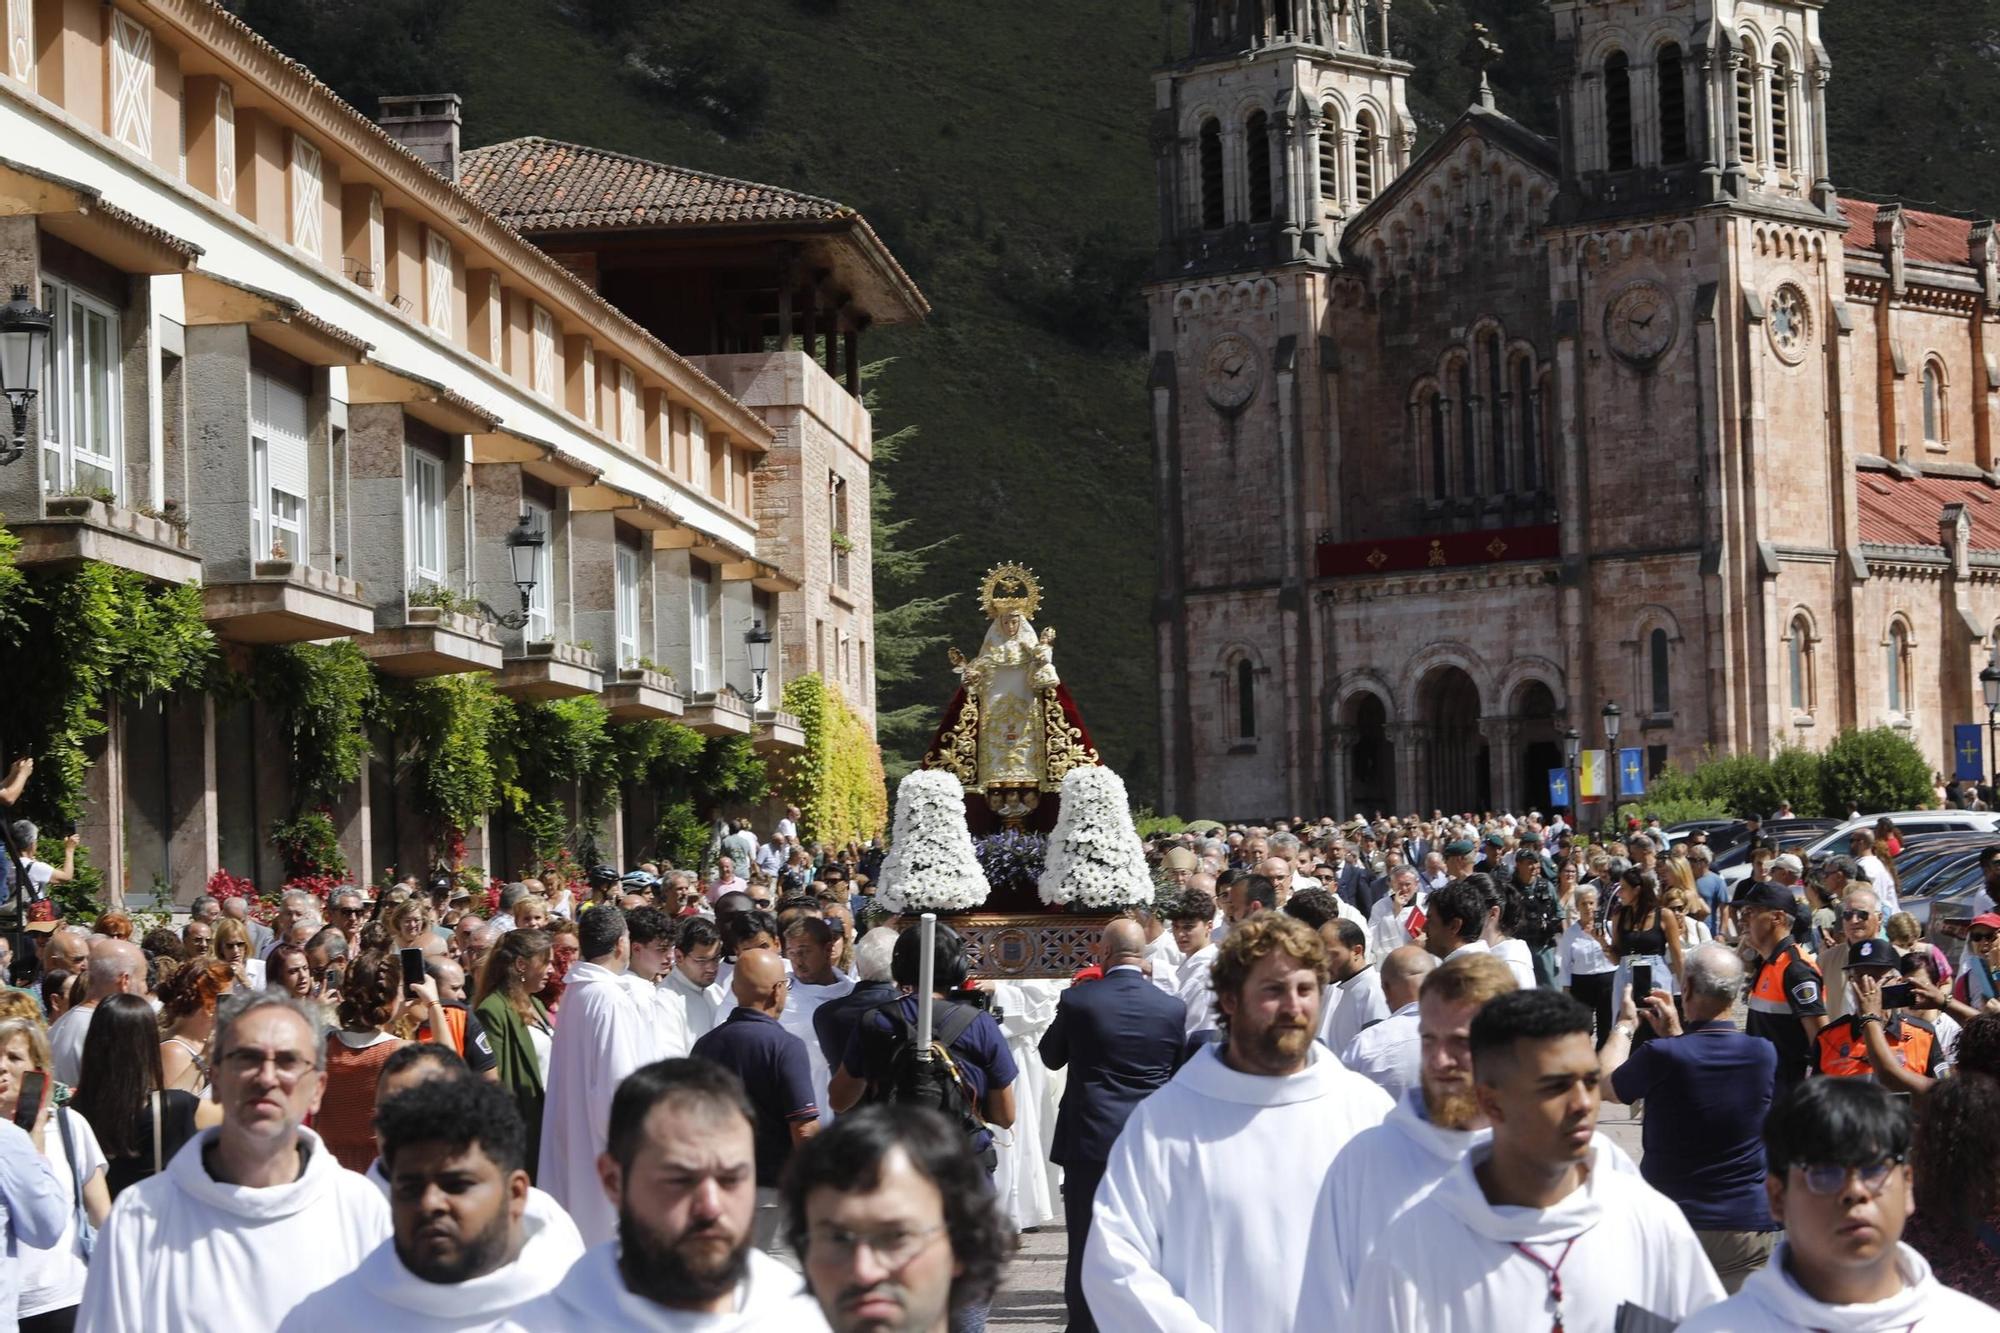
(1001, 150)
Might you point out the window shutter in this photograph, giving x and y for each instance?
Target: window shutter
(278, 414)
(21, 39)
(308, 196)
(131, 83)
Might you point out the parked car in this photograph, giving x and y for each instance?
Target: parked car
(1908, 822)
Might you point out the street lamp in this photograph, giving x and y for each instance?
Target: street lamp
(24, 338)
(1572, 747)
(759, 640)
(1613, 717)
(524, 549)
(1989, 684)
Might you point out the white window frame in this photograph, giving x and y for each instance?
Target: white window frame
(423, 518)
(275, 512)
(627, 563)
(701, 608)
(66, 438)
(541, 599)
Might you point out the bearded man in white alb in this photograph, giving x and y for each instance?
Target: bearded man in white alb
(1206, 1206)
(1539, 1226)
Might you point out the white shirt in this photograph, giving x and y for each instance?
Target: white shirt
(1882, 881)
(1476, 946)
(592, 1297)
(382, 1294)
(66, 1036)
(35, 1207)
(1771, 1301)
(52, 1278)
(698, 1006)
(1578, 954)
(1351, 1006)
(1391, 1054)
(797, 1019)
(1195, 991)
(1459, 1265)
(1205, 1211)
(1389, 925)
(1166, 960)
(1514, 953)
(603, 1034)
(183, 1251)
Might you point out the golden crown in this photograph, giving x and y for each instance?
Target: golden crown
(1010, 590)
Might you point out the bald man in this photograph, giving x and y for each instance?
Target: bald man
(69, 949)
(1121, 1039)
(116, 967)
(775, 1070)
(1390, 1054)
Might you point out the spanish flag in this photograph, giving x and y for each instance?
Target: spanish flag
(1592, 775)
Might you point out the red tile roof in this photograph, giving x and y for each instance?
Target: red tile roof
(541, 184)
(1928, 238)
(1903, 511)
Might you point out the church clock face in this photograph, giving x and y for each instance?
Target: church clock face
(1640, 323)
(1230, 371)
(1790, 324)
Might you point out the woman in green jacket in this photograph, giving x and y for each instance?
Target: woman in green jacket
(517, 1024)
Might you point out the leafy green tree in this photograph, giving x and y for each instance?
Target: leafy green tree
(1877, 769)
(363, 49)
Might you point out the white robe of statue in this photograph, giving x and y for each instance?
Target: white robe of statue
(1029, 1184)
(1007, 678)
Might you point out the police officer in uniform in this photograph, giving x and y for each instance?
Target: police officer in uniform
(1458, 858)
(1787, 1006)
(1842, 1048)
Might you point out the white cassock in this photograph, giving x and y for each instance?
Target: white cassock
(1029, 1185)
(1195, 990)
(1773, 1300)
(383, 1295)
(1205, 1211)
(1389, 925)
(1390, 1054)
(1351, 1006)
(697, 1004)
(603, 1033)
(800, 1006)
(1514, 953)
(542, 1211)
(1165, 957)
(592, 1297)
(1461, 1265)
(183, 1251)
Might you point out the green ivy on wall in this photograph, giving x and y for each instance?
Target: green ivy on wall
(442, 735)
(322, 693)
(837, 780)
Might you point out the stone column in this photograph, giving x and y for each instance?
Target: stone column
(192, 851)
(1503, 760)
(496, 506)
(375, 506)
(1817, 129)
(1340, 768)
(594, 585)
(1411, 740)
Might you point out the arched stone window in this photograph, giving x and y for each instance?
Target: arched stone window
(1670, 72)
(1213, 213)
(1799, 664)
(1937, 413)
(1257, 163)
(1430, 424)
(1364, 157)
(1781, 109)
(1746, 103)
(1246, 700)
(1526, 410)
(1618, 112)
(1496, 415)
(1659, 668)
(1896, 667)
(1468, 440)
(1329, 153)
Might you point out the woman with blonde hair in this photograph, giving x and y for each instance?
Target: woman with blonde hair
(409, 922)
(532, 913)
(52, 1279)
(232, 946)
(517, 1025)
(187, 1021)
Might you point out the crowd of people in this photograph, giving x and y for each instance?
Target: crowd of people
(1332, 1077)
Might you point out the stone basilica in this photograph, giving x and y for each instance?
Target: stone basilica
(1454, 447)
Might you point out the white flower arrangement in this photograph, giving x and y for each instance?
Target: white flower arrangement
(1095, 859)
(931, 866)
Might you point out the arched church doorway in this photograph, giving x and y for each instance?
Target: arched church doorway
(1456, 769)
(1371, 760)
(1541, 742)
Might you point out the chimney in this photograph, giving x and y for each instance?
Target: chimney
(427, 125)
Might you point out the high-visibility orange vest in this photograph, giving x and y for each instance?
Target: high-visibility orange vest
(1843, 1047)
(1768, 994)
(455, 1020)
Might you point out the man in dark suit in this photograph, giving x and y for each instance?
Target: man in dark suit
(1122, 1038)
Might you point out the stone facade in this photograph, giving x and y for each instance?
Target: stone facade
(1454, 450)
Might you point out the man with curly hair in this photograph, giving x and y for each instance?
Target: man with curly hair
(1208, 1197)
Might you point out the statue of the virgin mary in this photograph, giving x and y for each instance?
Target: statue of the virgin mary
(1011, 732)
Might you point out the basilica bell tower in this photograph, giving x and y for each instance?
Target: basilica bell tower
(1276, 122)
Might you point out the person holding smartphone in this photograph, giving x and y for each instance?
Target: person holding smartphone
(1880, 1032)
(52, 1274)
(37, 1202)
(380, 989)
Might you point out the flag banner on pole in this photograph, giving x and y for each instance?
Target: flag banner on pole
(1631, 772)
(1559, 788)
(1591, 774)
(1968, 748)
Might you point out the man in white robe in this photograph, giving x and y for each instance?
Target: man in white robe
(1193, 922)
(251, 1217)
(1385, 1170)
(604, 1034)
(810, 942)
(465, 1251)
(1390, 1053)
(1027, 1182)
(1538, 1227)
(1390, 918)
(1206, 1205)
(653, 935)
(681, 1162)
(690, 989)
(1354, 1002)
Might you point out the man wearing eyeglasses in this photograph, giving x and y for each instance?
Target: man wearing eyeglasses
(895, 1222)
(1860, 915)
(1836, 1152)
(252, 1217)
